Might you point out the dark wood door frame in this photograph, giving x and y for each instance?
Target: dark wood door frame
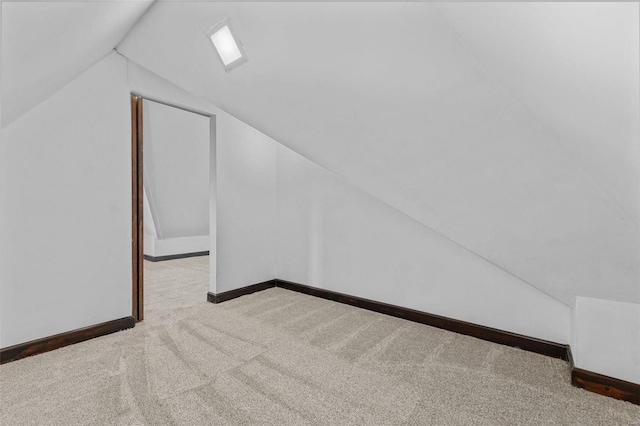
(137, 195)
(137, 237)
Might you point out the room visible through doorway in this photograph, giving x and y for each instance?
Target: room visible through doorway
(171, 218)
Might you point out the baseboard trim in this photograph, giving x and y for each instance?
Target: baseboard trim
(175, 256)
(590, 381)
(604, 385)
(232, 294)
(46, 344)
(531, 344)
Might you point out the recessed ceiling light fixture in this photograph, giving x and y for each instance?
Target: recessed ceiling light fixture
(227, 46)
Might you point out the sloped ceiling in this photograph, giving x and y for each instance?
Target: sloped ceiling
(575, 68)
(511, 128)
(45, 45)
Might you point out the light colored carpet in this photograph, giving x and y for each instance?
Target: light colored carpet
(283, 358)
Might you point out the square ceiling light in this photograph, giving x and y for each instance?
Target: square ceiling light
(226, 44)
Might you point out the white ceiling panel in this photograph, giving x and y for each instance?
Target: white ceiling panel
(45, 45)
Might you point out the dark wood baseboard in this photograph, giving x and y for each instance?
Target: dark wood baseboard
(588, 380)
(604, 385)
(46, 344)
(526, 343)
(232, 294)
(175, 256)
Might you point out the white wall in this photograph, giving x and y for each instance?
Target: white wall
(176, 166)
(178, 245)
(50, 43)
(242, 189)
(69, 159)
(5, 276)
(331, 235)
(515, 139)
(334, 236)
(487, 134)
(607, 338)
(149, 229)
(246, 205)
(68, 204)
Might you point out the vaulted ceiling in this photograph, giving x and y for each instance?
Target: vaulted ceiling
(511, 128)
(45, 45)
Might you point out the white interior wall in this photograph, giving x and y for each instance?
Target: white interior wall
(71, 155)
(176, 170)
(148, 223)
(607, 338)
(69, 208)
(583, 349)
(487, 131)
(5, 274)
(246, 223)
(179, 245)
(312, 253)
(518, 141)
(155, 247)
(176, 180)
(149, 230)
(243, 189)
(50, 43)
(332, 235)
(6, 278)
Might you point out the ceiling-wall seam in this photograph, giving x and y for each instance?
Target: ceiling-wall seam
(135, 24)
(59, 89)
(367, 193)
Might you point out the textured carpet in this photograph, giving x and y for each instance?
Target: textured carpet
(283, 358)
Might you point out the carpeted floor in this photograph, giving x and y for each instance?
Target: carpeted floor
(283, 358)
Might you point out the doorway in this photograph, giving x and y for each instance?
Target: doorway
(173, 202)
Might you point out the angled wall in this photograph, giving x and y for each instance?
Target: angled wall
(176, 167)
(149, 230)
(510, 128)
(452, 144)
(68, 213)
(327, 233)
(520, 142)
(5, 274)
(332, 235)
(242, 192)
(176, 180)
(50, 43)
(607, 338)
